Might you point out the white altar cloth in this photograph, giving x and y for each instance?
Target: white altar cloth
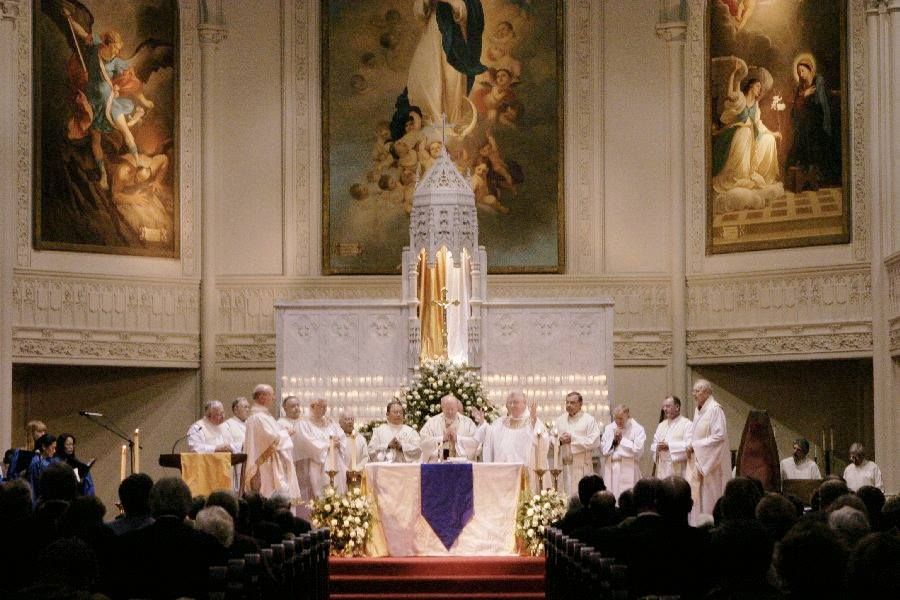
(401, 530)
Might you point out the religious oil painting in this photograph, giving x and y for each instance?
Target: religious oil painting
(778, 144)
(404, 80)
(105, 126)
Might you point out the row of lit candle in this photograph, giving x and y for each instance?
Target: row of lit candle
(495, 379)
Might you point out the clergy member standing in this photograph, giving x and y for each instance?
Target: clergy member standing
(860, 471)
(395, 442)
(708, 468)
(513, 438)
(671, 440)
(209, 434)
(450, 434)
(293, 417)
(579, 436)
(324, 445)
(622, 446)
(798, 465)
(237, 423)
(356, 445)
(270, 468)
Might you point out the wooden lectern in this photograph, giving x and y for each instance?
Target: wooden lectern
(173, 461)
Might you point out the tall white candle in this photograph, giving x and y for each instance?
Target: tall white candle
(353, 451)
(556, 453)
(136, 453)
(123, 462)
(330, 463)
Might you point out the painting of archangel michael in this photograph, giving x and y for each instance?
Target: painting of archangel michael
(778, 146)
(105, 119)
(392, 70)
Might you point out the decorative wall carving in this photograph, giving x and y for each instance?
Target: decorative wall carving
(23, 137)
(302, 163)
(892, 264)
(695, 148)
(114, 319)
(761, 347)
(9, 9)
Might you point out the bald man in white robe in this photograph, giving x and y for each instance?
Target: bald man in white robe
(622, 446)
(317, 435)
(512, 439)
(209, 434)
(708, 468)
(270, 468)
(451, 433)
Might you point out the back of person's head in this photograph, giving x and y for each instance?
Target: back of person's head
(255, 508)
(284, 518)
(874, 567)
(742, 550)
(68, 563)
(216, 521)
(602, 508)
(242, 524)
(84, 511)
(134, 494)
(831, 490)
(811, 561)
(676, 502)
(740, 500)
(170, 496)
(850, 524)
(226, 500)
(850, 500)
(646, 493)
(58, 482)
(588, 486)
(799, 506)
(874, 500)
(777, 514)
(198, 503)
(626, 504)
(275, 503)
(890, 515)
(15, 501)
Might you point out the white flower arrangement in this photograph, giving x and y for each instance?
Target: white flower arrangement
(434, 380)
(535, 514)
(349, 516)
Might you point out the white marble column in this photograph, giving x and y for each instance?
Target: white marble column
(212, 33)
(673, 33)
(883, 29)
(9, 22)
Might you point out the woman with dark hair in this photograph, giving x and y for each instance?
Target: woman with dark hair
(45, 451)
(65, 452)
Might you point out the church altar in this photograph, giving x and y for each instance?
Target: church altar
(401, 530)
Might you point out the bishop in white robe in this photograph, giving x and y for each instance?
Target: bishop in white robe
(451, 431)
(671, 440)
(395, 442)
(514, 438)
(579, 435)
(708, 468)
(268, 447)
(209, 434)
(293, 417)
(798, 465)
(622, 446)
(860, 471)
(324, 445)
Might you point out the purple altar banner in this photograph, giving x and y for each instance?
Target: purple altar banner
(448, 501)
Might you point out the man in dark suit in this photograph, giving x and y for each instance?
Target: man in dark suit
(168, 559)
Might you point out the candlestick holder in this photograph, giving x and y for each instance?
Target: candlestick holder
(354, 479)
(554, 473)
(540, 477)
(331, 475)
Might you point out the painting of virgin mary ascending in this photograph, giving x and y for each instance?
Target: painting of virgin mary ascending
(392, 71)
(778, 145)
(105, 122)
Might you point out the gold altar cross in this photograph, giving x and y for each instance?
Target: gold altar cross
(444, 304)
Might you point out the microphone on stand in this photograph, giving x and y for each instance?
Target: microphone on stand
(190, 431)
(85, 413)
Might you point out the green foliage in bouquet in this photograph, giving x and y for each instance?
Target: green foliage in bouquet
(434, 380)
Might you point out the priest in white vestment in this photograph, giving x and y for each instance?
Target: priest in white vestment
(324, 445)
(394, 441)
(292, 418)
(671, 440)
(357, 449)
(709, 455)
(513, 438)
(798, 465)
(209, 434)
(451, 434)
(237, 423)
(579, 435)
(861, 472)
(622, 446)
(270, 468)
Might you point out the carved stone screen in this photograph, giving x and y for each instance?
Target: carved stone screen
(352, 353)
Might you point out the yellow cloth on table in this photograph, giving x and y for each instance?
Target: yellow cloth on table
(207, 472)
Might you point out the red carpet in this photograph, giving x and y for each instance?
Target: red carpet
(431, 578)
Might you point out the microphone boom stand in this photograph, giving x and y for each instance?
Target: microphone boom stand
(116, 432)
